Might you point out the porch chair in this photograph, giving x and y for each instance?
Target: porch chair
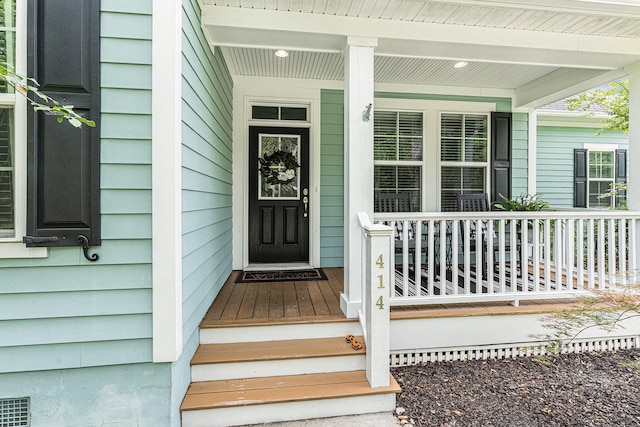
(400, 202)
(480, 203)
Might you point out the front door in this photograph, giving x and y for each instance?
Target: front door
(278, 194)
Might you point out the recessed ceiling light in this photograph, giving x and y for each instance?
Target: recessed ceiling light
(460, 64)
(282, 53)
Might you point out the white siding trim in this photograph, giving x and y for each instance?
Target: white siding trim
(166, 181)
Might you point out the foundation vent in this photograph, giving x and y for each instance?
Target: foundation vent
(15, 412)
(504, 351)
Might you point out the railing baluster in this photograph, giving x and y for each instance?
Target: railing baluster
(536, 254)
(580, 257)
(501, 237)
(547, 254)
(432, 257)
(524, 254)
(442, 258)
(417, 257)
(490, 260)
(479, 264)
(590, 254)
(454, 256)
(467, 255)
(558, 254)
(405, 258)
(632, 251)
(569, 245)
(611, 242)
(601, 254)
(622, 250)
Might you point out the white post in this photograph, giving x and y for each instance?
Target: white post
(532, 155)
(358, 162)
(634, 153)
(376, 303)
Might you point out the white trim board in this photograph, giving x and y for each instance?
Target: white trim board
(248, 91)
(166, 181)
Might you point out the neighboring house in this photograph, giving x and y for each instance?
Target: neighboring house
(567, 140)
(115, 241)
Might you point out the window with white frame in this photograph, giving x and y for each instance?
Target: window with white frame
(398, 144)
(431, 151)
(8, 166)
(464, 159)
(601, 177)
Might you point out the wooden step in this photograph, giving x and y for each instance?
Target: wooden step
(273, 350)
(214, 362)
(256, 391)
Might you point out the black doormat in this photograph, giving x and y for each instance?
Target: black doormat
(281, 276)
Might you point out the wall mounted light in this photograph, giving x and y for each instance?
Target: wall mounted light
(366, 114)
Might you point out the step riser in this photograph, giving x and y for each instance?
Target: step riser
(278, 332)
(259, 369)
(252, 414)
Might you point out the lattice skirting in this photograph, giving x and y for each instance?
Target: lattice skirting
(504, 351)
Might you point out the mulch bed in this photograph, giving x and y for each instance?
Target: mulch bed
(594, 389)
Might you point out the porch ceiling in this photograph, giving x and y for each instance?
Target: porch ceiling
(540, 50)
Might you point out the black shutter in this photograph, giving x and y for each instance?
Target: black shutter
(580, 178)
(621, 172)
(63, 161)
(501, 136)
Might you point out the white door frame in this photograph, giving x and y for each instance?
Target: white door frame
(250, 91)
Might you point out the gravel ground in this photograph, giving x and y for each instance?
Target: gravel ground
(596, 389)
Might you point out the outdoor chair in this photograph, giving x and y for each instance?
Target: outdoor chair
(401, 202)
(480, 203)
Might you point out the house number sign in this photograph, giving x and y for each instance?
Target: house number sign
(380, 264)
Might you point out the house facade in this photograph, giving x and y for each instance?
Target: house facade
(188, 96)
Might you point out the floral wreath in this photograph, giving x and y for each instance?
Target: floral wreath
(269, 167)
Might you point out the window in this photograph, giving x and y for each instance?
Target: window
(434, 150)
(397, 147)
(10, 171)
(595, 168)
(464, 142)
(601, 176)
(272, 112)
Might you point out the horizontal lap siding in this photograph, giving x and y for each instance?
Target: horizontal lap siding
(519, 152)
(63, 311)
(332, 179)
(554, 162)
(206, 171)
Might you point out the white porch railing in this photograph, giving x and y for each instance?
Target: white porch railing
(452, 257)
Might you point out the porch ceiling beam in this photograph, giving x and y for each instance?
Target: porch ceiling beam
(561, 84)
(269, 28)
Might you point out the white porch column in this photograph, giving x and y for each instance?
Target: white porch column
(532, 152)
(634, 151)
(358, 162)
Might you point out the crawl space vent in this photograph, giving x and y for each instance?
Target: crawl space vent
(14, 412)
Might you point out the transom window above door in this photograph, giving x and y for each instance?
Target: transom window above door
(431, 154)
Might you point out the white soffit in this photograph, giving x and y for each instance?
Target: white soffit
(388, 69)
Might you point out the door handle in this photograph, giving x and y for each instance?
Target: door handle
(305, 200)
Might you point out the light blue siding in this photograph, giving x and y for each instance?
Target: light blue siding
(207, 91)
(554, 163)
(519, 154)
(332, 179)
(63, 311)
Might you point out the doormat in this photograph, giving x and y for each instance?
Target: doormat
(281, 276)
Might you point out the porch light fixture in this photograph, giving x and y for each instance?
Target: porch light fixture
(366, 114)
(281, 53)
(460, 64)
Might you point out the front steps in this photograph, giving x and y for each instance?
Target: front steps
(251, 382)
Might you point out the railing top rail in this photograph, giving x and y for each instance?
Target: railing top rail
(560, 214)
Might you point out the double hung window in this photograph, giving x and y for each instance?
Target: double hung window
(398, 145)
(464, 158)
(10, 167)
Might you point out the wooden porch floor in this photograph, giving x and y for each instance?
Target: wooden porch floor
(317, 301)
